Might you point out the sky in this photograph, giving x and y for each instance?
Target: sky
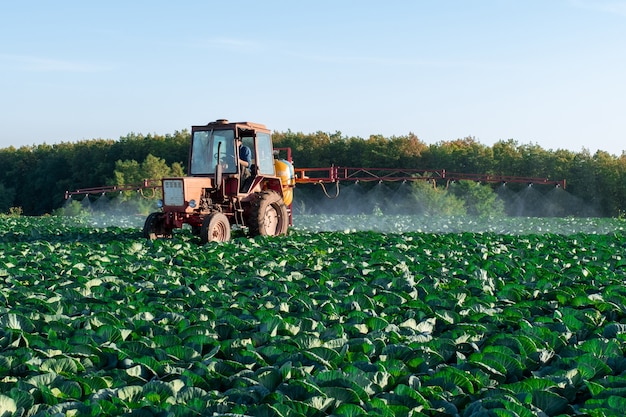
(544, 72)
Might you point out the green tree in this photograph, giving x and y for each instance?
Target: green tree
(6, 198)
(171, 148)
(609, 190)
(479, 199)
(535, 161)
(465, 155)
(426, 199)
(507, 158)
(131, 172)
(308, 150)
(583, 182)
(408, 151)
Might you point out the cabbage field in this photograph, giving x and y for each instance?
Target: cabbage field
(345, 316)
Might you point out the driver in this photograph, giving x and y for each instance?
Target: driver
(245, 159)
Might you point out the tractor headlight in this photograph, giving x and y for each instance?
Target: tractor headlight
(159, 203)
(192, 203)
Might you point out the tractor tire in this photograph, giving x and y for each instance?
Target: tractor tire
(154, 227)
(268, 215)
(215, 228)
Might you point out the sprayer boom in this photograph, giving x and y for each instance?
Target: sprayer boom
(335, 174)
(146, 185)
(348, 174)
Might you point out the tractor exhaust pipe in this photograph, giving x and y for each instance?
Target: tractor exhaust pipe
(218, 167)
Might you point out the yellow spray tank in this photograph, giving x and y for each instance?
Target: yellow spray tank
(284, 170)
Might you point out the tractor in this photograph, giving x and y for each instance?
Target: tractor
(222, 190)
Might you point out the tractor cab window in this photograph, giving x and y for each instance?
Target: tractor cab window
(224, 151)
(265, 158)
(210, 147)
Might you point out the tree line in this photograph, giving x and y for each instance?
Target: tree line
(35, 178)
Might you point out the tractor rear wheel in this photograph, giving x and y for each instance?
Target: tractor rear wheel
(154, 227)
(215, 228)
(268, 215)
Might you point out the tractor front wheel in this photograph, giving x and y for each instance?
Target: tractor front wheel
(268, 215)
(215, 228)
(154, 227)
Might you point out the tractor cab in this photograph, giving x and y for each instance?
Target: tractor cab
(214, 152)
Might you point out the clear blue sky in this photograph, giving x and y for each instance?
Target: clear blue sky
(546, 72)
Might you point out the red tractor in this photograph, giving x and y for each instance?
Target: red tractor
(224, 189)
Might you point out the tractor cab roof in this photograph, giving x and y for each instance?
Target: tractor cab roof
(240, 127)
